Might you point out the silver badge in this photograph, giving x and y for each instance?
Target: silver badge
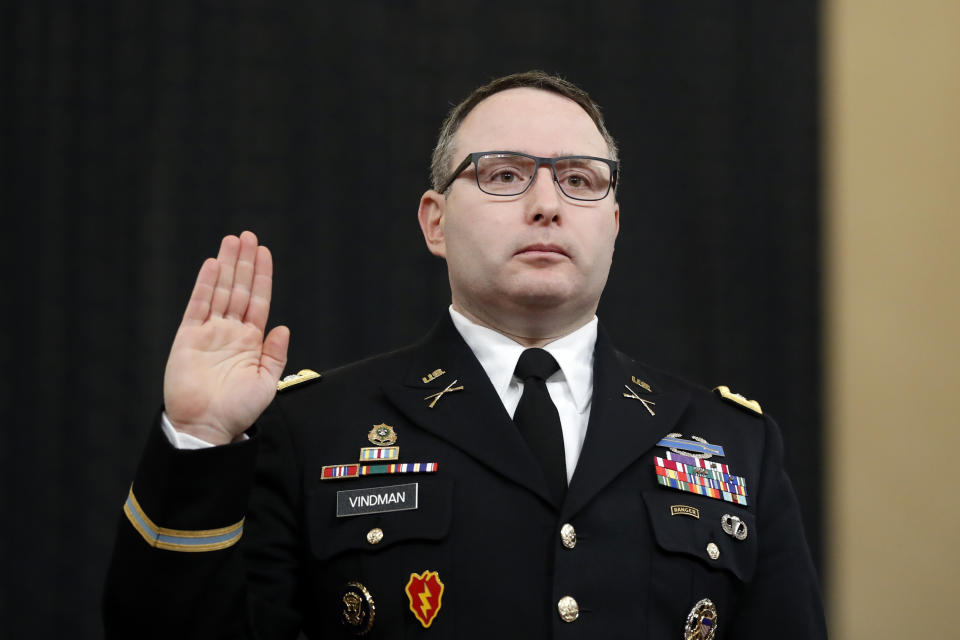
(734, 526)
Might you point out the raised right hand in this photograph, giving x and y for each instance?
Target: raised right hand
(222, 373)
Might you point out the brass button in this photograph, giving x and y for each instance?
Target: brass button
(568, 608)
(713, 551)
(568, 536)
(375, 535)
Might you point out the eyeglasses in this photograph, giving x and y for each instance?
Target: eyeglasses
(510, 173)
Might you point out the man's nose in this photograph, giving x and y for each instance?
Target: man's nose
(544, 197)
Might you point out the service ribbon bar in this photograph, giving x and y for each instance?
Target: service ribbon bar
(698, 462)
(339, 471)
(400, 467)
(702, 486)
(706, 474)
(692, 445)
(379, 453)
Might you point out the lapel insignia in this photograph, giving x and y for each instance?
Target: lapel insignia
(358, 608)
(735, 398)
(425, 591)
(647, 404)
(640, 383)
(436, 396)
(701, 622)
(382, 435)
(433, 375)
(696, 447)
(296, 378)
(379, 453)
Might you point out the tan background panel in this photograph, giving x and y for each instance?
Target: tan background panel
(892, 176)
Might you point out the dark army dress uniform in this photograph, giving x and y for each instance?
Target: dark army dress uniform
(621, 557)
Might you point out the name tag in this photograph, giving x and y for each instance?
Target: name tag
(357, 502)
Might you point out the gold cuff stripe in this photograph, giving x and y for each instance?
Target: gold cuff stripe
(179, 539)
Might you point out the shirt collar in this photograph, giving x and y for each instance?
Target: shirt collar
(498, 356)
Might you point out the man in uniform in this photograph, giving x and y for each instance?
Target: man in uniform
(512, 474)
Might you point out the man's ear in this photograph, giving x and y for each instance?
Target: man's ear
(433, 207)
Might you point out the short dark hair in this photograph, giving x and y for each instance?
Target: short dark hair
(442, 159)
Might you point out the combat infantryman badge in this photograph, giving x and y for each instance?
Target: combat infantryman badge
(702, 621)
(382, 435)
(357, 610)
(425, 591)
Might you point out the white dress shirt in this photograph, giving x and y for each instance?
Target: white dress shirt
(570, 388)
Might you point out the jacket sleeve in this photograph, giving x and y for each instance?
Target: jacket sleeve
(182, 564)
(784, 600)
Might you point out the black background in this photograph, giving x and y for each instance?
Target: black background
(136, 134)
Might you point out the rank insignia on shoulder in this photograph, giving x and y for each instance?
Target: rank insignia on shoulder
(297, 378)
(735, 398)
(358, 610)
(701, 622)
(425, 591)
(433, 375)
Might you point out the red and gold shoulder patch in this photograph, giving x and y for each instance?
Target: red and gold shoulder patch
(425, 592)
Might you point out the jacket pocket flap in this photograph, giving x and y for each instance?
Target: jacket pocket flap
(688, 524)
(419, 513)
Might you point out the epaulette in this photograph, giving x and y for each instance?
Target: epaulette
(297, 378)
(735, 398)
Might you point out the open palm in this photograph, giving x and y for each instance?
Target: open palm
(222, 373)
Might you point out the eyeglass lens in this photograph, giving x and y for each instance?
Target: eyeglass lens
(505, 174)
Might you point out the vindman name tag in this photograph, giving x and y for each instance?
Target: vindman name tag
(356, 502)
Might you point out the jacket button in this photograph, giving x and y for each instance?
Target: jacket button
(568, 536)
(713, 551)
(375, 535)
(568, 608)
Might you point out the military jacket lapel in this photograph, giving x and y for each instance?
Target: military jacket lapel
(621, 429)
(472, 419)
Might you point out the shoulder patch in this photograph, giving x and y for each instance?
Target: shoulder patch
(735, 398)
(297, 378)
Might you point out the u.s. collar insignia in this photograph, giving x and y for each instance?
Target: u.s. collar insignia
(640, 383)
(425, 592)
(382, 435)
(358, 610)
(702, 621)
(696, 447)
(433, 375)
(647, 404)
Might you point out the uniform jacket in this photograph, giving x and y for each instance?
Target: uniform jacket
(485, 521)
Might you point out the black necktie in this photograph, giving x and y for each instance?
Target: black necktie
(537, 418)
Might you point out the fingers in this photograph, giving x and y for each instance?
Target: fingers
(274, 354)
(259, 306)
(242, 277)
(229, 250)
(198, 308)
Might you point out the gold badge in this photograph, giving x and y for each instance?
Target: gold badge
(647, 404)
(736, 398)
(436, 396)
(296, 378)
(433, 375)
(382, 435)
(358, 609)
(702, 621)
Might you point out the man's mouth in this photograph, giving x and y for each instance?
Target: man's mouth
(542, 248)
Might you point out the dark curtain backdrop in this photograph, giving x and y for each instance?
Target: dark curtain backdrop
(136, 134)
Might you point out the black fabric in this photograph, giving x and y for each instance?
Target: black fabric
(638, 568)
(538, 420)
(133, 135)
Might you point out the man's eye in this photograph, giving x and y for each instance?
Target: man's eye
(504, 176)
(576, 181)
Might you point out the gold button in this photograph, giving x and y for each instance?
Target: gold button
(375, 535)
(568, 536)
(568, 608)
(713, 551)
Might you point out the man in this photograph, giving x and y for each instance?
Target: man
(511, 474)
